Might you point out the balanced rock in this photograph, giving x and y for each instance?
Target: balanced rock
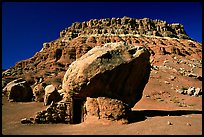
(51, 94)
(18, 90)
(115, 71)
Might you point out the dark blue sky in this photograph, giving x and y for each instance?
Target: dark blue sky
(27, 25)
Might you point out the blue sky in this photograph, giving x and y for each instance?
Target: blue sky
(27, 25)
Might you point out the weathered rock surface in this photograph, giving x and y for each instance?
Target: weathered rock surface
(106, 108)
(39, 92)
(125, 25)
(18, 90)
(51, 94)
(117, 71)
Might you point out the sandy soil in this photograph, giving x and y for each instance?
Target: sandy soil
(149, 117)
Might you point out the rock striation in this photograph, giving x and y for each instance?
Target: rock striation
(125, 25)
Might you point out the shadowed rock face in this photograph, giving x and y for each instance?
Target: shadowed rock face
(117, 71)
(51, 94)
(18, 90)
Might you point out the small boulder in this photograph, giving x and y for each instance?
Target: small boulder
(197, 92)
(39, 92)
(27, 121)
(51, 94)
(190, 91)
(180, 91)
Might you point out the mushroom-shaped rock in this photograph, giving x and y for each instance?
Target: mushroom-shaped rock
(51, 94)
(116, 70)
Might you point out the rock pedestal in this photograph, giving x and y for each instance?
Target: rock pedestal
(117, 71)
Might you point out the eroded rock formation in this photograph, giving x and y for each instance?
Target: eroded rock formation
(116, 71)
(55, 57)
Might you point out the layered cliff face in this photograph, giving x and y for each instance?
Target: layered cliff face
(176, 65)
(50, 64)
(125, 25)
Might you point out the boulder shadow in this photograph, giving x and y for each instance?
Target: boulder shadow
(141, 115)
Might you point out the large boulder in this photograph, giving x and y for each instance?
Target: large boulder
(116, 70)
(18, 90)
(51, 95)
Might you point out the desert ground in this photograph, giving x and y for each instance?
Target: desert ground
(161, 111)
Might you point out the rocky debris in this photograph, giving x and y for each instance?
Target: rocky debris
(39, 92)
(51, 94)
(188, 124)
(107, 108)
(189, 73)
(192, 91)
(166, 82)
(61, 92)
(27, 121)
(95, 74)
(169, 123)
(172, 78)
(6, 73)
(194, 76)
(163, 51)
(18, 90)
(55, 113)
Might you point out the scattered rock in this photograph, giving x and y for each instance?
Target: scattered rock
(192, 91)
(51, 94)
(172, 78)
(169, 123)
(55, 113)
(197, 92)
(180, 91)
(188, 124)
(18, 91)
(166, 82)
(147, 96)
(27, 121)
(193, 75)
